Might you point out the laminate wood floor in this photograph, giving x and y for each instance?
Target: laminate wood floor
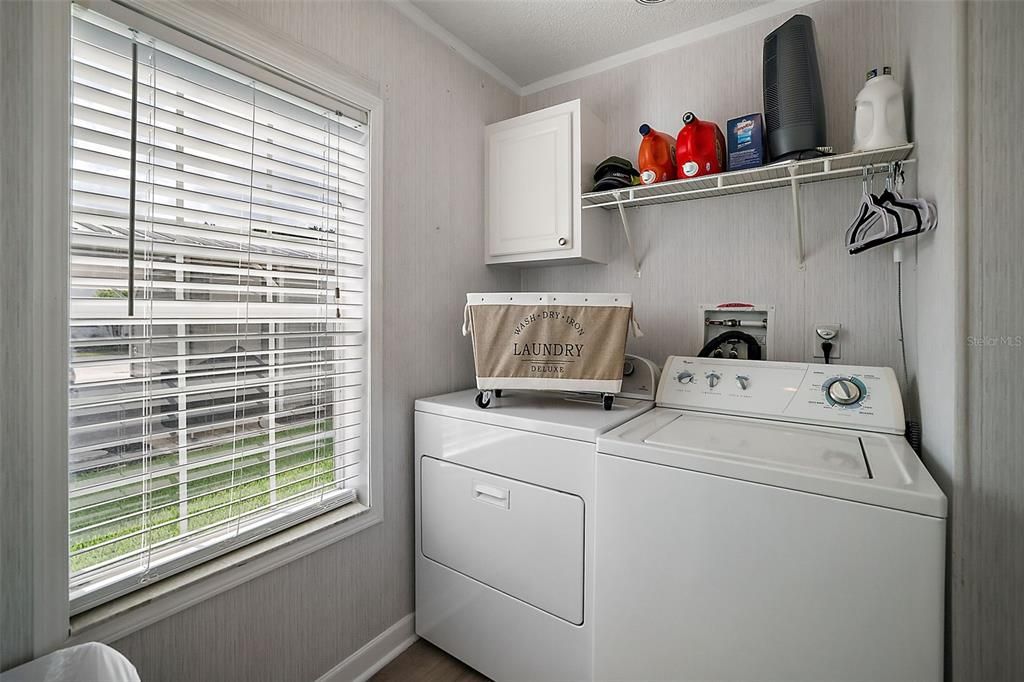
(424, 662)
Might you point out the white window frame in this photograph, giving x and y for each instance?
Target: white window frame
(237, 42)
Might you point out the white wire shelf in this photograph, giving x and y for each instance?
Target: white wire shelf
(790, 174)
(751, 180)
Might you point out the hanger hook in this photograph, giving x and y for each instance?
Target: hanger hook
(864, 180)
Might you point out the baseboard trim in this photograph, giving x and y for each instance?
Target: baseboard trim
(375, 654)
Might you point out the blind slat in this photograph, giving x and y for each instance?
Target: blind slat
(271, 180)
(203, 138)
(195, 482)
(116, 397)
(97, 224)
(215, 440)
(91, 500)
(347, 411)
(147, 381)
(208, 484)
(350, 276)
(83, 427)
(112, 131)
(155, 243)
(295, 196)
(113, 340)
(102, 130)
(156, 526)
(157, 191)
(342, 433)
(272, 353)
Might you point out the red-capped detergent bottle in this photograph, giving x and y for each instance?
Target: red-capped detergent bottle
(700, 148)
(657, 157)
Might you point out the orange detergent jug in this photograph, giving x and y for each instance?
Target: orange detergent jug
(700, 148)
(657, 157)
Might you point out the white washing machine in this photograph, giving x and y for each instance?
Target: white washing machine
(505, 524)
(768, 521)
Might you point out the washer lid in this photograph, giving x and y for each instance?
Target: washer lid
(859, 466)
(565, 415)
(766, 443)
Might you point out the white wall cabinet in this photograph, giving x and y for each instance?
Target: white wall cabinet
(538, 165)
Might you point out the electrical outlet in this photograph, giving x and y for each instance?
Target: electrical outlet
(827, 332)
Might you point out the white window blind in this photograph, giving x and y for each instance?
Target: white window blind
(218, 288)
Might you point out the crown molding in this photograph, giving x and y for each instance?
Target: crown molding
(420, 18)
(704, 32)
(731, 23)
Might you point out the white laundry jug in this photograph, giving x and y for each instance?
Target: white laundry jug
(880, 120)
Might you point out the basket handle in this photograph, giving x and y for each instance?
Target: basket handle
(634, 326)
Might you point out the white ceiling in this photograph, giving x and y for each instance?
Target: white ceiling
(538, 40)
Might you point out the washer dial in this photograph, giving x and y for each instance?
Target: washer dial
(844, 391)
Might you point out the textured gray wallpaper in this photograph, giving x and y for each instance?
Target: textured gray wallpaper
(16, 606)
(988, 532)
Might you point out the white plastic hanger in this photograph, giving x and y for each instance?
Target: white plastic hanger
(873, 221)
(889, 216)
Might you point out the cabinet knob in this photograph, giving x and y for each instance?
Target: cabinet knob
(562, 241)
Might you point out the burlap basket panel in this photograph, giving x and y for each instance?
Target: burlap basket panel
(550, 341)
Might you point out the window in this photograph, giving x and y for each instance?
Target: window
(218, 309)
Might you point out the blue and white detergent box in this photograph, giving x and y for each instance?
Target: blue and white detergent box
(745, 141)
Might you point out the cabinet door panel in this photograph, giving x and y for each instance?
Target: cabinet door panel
(530, 187)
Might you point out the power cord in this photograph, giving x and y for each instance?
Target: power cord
(827, 333)
(899, 309)
(913, 431)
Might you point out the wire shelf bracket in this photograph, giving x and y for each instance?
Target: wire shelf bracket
(629, 235)
(798, 228)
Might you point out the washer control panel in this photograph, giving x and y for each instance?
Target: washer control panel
(865, 398)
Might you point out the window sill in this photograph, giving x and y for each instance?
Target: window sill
(124, 615)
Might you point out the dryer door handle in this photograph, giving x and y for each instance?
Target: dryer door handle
(491, 494)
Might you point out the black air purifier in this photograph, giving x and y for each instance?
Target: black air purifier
(794, 109)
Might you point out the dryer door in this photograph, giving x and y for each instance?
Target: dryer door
(521, 539)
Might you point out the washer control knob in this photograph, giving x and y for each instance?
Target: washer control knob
(844, 391)
(713, 379)
(685, 377)
(742, 381)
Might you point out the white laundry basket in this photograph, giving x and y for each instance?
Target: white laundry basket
(546, 341)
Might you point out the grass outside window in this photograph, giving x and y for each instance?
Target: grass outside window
(214, 493)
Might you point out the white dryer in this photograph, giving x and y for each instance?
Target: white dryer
(504, 527)
(768, 521)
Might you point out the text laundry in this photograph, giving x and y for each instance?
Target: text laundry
(568, 350)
